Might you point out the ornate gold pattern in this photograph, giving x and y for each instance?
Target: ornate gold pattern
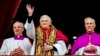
(50, 41)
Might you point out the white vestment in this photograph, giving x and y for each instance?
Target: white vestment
(10, 44)
(80, 51)
(60, 45)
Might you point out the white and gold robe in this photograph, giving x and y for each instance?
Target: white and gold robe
(60, 45)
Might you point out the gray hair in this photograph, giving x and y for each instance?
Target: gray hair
(48, 17)
(89, 18)
(19, 22)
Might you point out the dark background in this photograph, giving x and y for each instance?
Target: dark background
(67, 16)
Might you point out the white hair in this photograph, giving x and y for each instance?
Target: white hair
(48, 17)
(87, 18)
(19, 22)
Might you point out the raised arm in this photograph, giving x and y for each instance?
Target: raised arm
(29, 24)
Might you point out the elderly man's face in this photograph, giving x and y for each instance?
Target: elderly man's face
(45, 22)
(18, 28)
(90, 25)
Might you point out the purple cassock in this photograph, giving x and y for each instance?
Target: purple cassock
(83, 41)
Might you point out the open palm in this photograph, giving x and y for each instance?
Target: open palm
(30, 9)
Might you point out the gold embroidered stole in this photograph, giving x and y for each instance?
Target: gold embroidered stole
(50, 41)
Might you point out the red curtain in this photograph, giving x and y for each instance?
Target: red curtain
(8, 9)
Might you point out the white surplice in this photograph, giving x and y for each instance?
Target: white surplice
(10, 44)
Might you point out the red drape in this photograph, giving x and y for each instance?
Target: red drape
(8, 9)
